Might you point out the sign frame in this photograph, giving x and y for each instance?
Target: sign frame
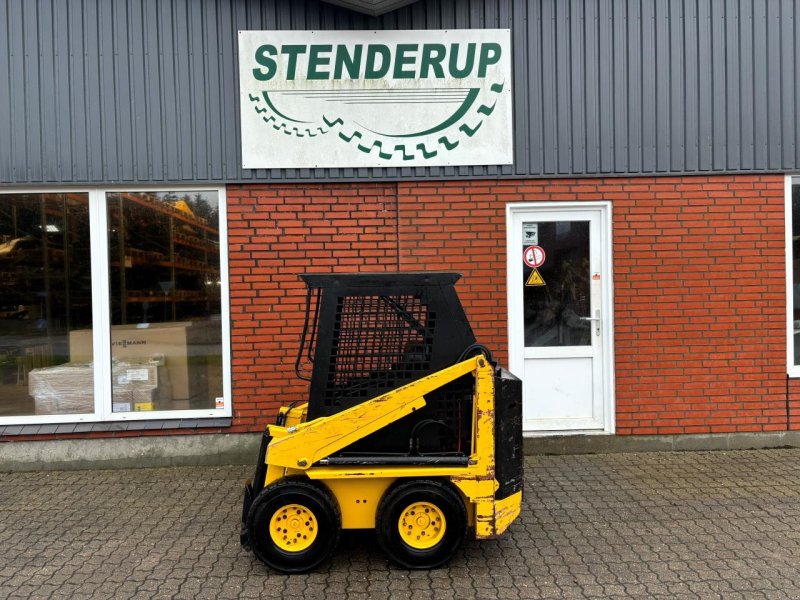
(392, 98)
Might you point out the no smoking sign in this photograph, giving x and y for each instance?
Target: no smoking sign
(533, 256)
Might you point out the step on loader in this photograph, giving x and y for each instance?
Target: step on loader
(410, 429)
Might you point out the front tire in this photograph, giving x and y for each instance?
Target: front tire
(293, 526)
(421, 524)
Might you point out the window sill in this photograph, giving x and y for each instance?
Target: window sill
(157, 425)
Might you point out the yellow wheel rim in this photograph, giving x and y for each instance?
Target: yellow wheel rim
(293, 528)
(422, 525)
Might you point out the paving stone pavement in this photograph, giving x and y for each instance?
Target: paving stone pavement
(661, 525)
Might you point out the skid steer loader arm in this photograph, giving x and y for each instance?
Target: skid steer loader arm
(303, 445)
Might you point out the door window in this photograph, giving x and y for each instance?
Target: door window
(556, 282)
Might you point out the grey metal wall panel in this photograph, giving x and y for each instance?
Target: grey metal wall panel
(14, 129)
(146, 91)
(759, 88)
(5, 82)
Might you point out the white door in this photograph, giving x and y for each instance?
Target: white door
(560, 315)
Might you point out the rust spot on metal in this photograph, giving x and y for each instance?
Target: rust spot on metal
(491, 523)
(505, 511)
(489, 476)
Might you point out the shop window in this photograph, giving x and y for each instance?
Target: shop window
(112, 306)
(45, 293)
(794, 277)
(166, 328)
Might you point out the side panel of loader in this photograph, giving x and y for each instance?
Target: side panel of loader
(508, 456)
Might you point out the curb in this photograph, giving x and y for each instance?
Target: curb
(242, 449)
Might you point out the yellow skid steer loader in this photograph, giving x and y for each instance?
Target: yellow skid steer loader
(410, 429)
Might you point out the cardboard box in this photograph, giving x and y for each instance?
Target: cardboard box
(64, 389)
(132, 376)
(187, 347)
(145, 396)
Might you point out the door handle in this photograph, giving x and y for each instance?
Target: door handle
(596, 318)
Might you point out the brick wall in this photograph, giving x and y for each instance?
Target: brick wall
(699, 284)
(699, 288)
(700, 304)
(698, 271)
(274, 234)
(460, 226)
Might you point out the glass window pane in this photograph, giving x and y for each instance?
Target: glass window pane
(796, 271)
(555, 275)
(45, 305)
(165, 296)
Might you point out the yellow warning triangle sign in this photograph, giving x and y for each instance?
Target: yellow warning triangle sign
(535, 279)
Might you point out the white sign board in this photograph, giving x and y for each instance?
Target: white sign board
(530, 233)
(375, 98)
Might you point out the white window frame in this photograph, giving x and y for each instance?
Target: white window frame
(101, 319)
(791, 369)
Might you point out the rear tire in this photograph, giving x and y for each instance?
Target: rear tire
(293, 525)
(421, 523)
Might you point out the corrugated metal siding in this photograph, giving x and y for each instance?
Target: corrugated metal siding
(146, 90)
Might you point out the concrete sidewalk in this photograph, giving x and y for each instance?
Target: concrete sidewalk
(656, 525)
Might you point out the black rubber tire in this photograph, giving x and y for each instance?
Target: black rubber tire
(315, 498)
(405, 492)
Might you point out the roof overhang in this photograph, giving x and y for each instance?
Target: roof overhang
(371, 7)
